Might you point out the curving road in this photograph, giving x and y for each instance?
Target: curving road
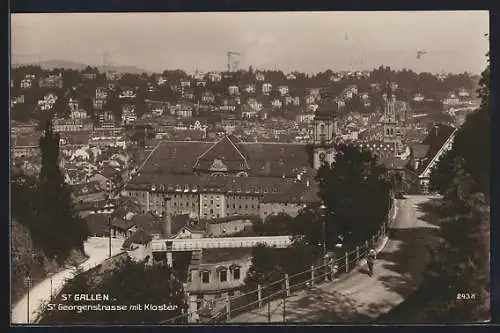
(96, 248)
(357, 297)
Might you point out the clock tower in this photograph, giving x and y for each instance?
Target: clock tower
(324, 135)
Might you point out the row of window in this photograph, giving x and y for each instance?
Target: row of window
(223, 275)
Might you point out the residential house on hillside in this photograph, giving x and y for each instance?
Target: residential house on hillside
(418, 97)
(184, 109)
(26, 83)
(451, 99)
(254, 104)
(201, 83)
(309, 99)
(425, 156)
(267, 88)
(185, 83)
(106, 119)
(161, 81)
(249, 88)
(52, 81)
(208, 97)
(87, 192)
(291, 76)
(188, 94)
(260, 76)
(463, 93)
(233, 90)
(108, 179)
(283, 90)
(156, 107)
(98, 103)
(47, 102)
(101, 93)
(276, 103)
(127, 93)
(89, 76)
(214, 77)
(248, 112)
(129, 114)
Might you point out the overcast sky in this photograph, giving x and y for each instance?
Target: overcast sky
(304, 41)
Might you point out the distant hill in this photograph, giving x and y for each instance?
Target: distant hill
(51, 64)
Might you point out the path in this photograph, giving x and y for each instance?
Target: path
(358, 297)
(96, 248)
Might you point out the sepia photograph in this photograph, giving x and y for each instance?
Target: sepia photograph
(204, 168)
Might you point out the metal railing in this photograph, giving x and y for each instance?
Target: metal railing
(211, 243)
(319, 272)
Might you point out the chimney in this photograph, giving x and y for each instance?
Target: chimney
(436, 130)
(168, 218)
(307, 183)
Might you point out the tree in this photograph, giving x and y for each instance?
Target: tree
(356, 192)
(57, 229)
(461, 262)
(274, 225)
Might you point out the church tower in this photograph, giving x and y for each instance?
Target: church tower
(390, 123)
(324, 134)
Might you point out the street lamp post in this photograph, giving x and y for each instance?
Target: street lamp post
(323, 219)
(109, 233)
(51, 290)
(28, 284)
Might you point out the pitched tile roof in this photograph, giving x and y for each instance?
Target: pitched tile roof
(210, 256)
(138, 237)
(419, 150)
(436, 138)
(121, 224)
(225, 151)
(97, 223)
(264, 159)
(173, 157)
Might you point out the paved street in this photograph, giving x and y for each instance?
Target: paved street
(96, 248)
(357, 296)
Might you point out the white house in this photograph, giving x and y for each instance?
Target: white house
(233, 90)
(283, 90)
(185, 83)
(276, 103)
(250, 88)
(260, 77)
(418, 98)
(214, 77)
(291, 76)
(127, 93)
(267, 88)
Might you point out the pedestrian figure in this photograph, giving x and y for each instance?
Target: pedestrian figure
(372, 255)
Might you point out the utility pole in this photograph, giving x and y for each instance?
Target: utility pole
(284, 304)
(269, 308)
(28, 283)
(109, 232)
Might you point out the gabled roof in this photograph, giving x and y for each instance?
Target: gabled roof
(225, 151)
(437, 137)
(138, 237)
(419, 150)
(264, 159)
(121, 224)
(97, 223)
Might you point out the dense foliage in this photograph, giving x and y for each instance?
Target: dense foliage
(44, 205)
(354, 180)
(461, 262)
(75, 86)
(130, 283)
(356, 192)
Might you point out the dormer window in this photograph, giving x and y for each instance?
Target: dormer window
(205, 276)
